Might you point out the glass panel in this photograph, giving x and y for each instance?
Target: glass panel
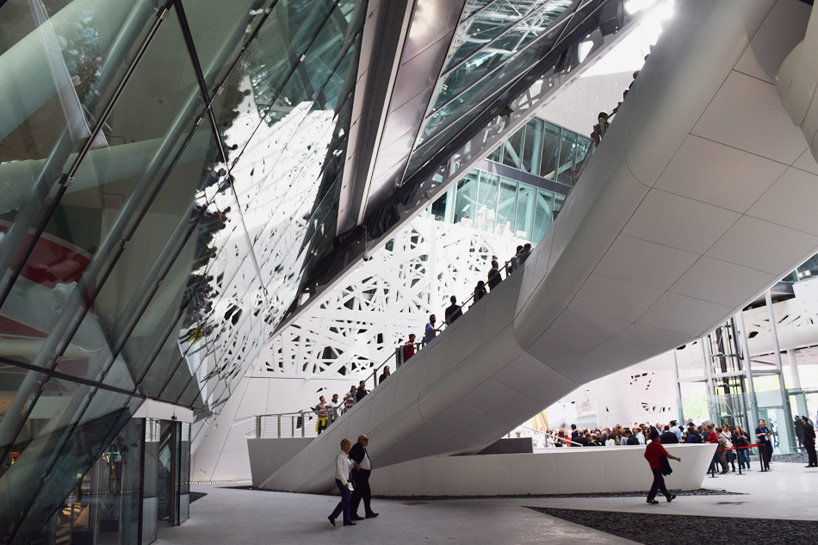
(282, 41)
(57, 80)
(496, 155)
(507, 207)
(550, 151)
(58, 61)
(112, 186)
(466, 199)
(513, 150)
(487, 201)
(568, 147)
(558, 200)
(219, 31)
(544, 214)
(525, 211)
(474, 5)
(533, 146)
(64, 434)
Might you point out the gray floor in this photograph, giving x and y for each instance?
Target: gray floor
(229, 516)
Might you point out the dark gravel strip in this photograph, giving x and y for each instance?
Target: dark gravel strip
(699, 492)
(197, 496)
(658, 529)
(797, 458)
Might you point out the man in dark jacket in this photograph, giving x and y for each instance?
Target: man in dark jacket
(809, 441)
(361, 392)
(668, 436)
(361, 468)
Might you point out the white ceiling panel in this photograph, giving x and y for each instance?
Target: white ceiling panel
(653, 339)
(683, 314)
(548, 387)
(807, 162)
(747, 114)
(645, 263)
(617, 354)
(583, 331)
(456, 416)
(780, 33)
(584, 369)
(679, 222)
(762, 245)
(614, 298)
(521, 372)
(790, 202)
(551, 350)
(721, 282)
(717, 174)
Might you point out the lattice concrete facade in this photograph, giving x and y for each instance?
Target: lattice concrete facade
(357, 326)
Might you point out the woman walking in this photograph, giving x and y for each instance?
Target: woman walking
(653, 454)
(342, 481)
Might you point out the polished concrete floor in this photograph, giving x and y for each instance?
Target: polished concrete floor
(230, 516)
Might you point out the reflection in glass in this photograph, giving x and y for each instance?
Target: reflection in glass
(525, 212)
(506, 207)
(466, 199)
(565, 168)
(543, 214)
(487, 201)
(550, 151)
(513, 147)
(532, 146)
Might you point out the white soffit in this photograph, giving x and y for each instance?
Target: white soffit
(717, 174)
(762, 245)
(679, 222)
(747, 114)
(646, 263)
(790, 201)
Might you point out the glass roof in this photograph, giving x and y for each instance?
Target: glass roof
(493, 46)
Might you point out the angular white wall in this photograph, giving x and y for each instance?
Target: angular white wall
(557, 471)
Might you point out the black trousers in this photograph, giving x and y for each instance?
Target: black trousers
(765, 450)
(360, 477)
(810, 447)
(658, 485)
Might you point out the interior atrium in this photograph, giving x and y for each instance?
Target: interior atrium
(213, 213)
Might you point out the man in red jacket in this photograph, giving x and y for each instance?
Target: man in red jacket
(653, 454)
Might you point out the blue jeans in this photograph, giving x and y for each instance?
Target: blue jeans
(343, 505)
(744, 458)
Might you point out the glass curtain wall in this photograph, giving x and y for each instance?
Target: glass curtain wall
(165, 163)
(508, 205)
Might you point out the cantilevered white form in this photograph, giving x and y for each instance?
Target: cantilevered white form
(689, 208)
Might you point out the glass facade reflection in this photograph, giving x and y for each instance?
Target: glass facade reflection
(171, 172)
(163, 165)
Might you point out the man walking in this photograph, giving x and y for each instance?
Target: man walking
(361, 468)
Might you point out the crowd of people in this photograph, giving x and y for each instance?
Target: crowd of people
(734, 443)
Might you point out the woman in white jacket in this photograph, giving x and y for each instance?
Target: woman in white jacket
(342, 481)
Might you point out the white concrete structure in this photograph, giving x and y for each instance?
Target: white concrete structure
(557, 471)
(679, 220)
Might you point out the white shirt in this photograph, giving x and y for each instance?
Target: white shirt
(365, 463)
(641, 438)
(342, 468)
(610, 442)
